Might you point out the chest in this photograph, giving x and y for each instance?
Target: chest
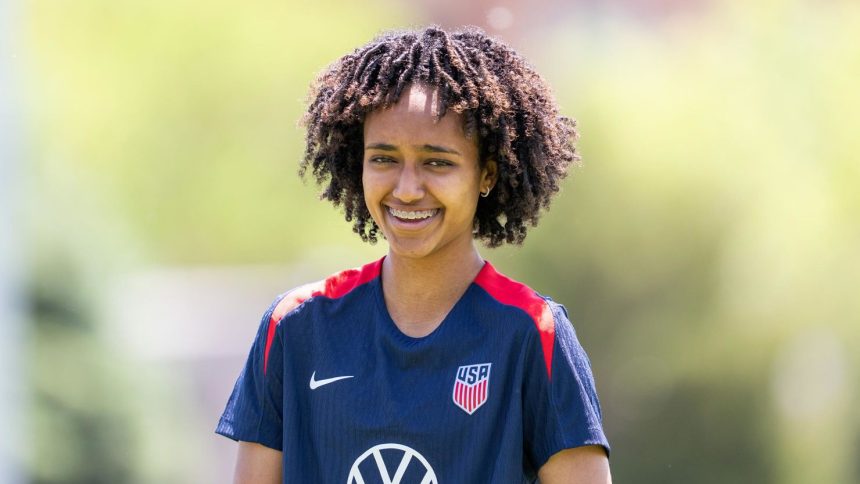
(373, 381)
(362, 397)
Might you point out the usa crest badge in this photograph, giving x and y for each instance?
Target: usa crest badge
(471, 387)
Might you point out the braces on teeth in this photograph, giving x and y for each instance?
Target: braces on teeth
(412, 215)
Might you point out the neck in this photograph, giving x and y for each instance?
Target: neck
(419, 293)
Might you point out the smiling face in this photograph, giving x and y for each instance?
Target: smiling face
(422, 177)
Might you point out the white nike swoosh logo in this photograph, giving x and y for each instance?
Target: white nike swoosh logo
(318, 383)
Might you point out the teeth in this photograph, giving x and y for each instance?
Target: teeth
(412, 214)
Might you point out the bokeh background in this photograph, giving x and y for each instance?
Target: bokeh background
(708, 249)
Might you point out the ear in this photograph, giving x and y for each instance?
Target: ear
(489, 174)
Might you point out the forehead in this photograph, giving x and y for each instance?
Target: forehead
(419, 99)
(415, 115)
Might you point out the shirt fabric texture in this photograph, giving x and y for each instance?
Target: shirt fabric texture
(500, 386)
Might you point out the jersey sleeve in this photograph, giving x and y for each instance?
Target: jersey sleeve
(254, 411)
(561, 409)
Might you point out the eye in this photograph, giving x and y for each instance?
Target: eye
(439, 163)
(380, 160)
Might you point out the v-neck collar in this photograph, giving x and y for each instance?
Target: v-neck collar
(391, 326)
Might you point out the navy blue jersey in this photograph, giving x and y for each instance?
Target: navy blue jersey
(500, 386)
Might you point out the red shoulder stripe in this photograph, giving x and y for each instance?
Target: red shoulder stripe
(334, 286)
(513, 293)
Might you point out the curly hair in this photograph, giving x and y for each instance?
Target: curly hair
(500, 96)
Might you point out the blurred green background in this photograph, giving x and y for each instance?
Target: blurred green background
(708, 250)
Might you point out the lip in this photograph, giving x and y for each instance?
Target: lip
(410, 224)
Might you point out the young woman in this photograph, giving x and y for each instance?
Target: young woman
(427, 366)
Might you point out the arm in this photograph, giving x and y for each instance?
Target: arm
(253, 416)
(580, 465)
(258, 464)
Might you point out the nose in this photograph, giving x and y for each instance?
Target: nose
(410, 185)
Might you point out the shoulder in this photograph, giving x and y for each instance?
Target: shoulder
(513, 293)
(543, 313)
(334, 286)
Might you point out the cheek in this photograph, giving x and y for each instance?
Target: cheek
(372, 186)
(468, 189)
(464, 199)
(367, 183)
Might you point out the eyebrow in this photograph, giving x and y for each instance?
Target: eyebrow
(426, 148)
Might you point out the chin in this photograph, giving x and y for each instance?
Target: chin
(411, 248)
(409, 251)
